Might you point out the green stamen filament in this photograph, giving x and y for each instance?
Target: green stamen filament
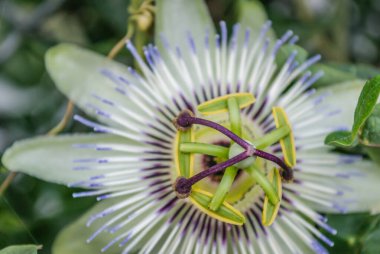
(271, 137)
(264, 183)
(230, 172)
(208, 149)
(223, 188)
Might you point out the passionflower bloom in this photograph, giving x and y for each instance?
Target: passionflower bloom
(217, 146)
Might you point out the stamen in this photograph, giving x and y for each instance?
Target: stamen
(231, 172)
(209, 149)
(272, 137)
(265, 184)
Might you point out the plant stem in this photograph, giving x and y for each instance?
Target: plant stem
(120, 44)
(8, 180)
(65, 119)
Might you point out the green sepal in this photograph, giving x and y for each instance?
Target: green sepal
(220, 104)
(287, 142)
(366, 104)
(270, 210)
(226, 212)
(183, 160)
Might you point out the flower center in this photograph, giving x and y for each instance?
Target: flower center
(222, 161)
(208, 161)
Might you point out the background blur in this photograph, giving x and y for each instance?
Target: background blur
(345, 32)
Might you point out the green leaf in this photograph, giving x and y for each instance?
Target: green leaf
(77, 73)
(364, 108)
(352, 229)
(371, 241)
(72, 239)
(369, 136)
(374, 153)
(252, 14)
(174, 19)
(341, 138)
(370, 133)
(52, 158)
(366, 103)
(340, 97)
(21, 249)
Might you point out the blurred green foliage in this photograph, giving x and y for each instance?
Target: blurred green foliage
(358, 233)
(345, 32)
